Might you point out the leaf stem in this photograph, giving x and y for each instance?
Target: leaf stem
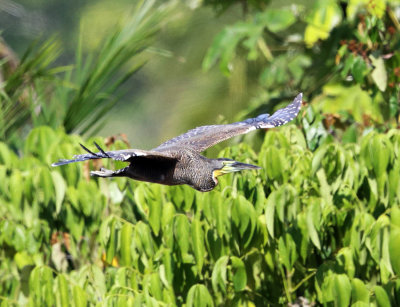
(303, 281)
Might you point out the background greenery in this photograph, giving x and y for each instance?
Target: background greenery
(319, 224)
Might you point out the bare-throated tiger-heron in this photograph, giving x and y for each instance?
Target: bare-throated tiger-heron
(178, 160)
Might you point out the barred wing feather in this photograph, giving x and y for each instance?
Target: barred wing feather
(201, 138)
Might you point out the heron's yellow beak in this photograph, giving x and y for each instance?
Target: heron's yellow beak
(233, 166)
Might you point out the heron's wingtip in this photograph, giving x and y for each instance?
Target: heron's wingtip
(61, 162)
(57, 163)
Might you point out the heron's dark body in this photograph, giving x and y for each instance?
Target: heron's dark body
(188, 168)
(178, 160)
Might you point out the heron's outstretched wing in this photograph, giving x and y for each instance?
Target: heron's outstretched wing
(201, 138)
(126, 155)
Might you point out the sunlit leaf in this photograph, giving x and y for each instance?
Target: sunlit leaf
(79, 296)
(325, 15)
(63, 299)
(239, 274)
(313, 219)
(359, 292)
(182, 233)
(155, 211)
(156, 286)
(382, 298)
(60, 188)
(277, 19)
(394, 246)
(126, 239)
(198, 243)
(270, 212)
(342, 290)
(198, 296)
(112, 242)
(219, 277)
(379, 74)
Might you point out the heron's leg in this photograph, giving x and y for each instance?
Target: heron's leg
(109, 173)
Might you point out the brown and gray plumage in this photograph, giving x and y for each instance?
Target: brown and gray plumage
(178, 160)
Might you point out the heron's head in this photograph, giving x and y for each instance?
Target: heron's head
(224, 166)
(218, 167)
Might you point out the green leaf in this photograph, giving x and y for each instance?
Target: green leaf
(324, 16)
(276, 19)
(168, 213)
(350, 135)
(393, 106)
(275, 164)
(395, 216)
(98, 280)
(7, 156)
(182, 233)
(79, 296)
(19, 238)
(379, 74)
(112, 242)
(345, 257)
(198, 243)
(394, 246)
(359, 292)
(40, 286)
(126, 239)
(144, 240)
(239, 274)
(220, 208)
(225, 43)
(380, 151)
(156, 286)
(313, 218)
(270, 212)
(155, 210)
(167, 269)
(60, 187)
(382, 298)
(116, 196)
(46, 186)
(23, 259)
(16, 188)
(35, 286)
(63, 299)
(39, 141)
(198, 296)
(47, 285)
(218, 277)
(342, 288)
(359, 69)
(287, 251)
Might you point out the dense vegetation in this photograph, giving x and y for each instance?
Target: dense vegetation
(320, 223)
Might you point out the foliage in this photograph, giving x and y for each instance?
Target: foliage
(17, 93)
(329, 48)
(320, 222)
(322, 225)
(35, 93)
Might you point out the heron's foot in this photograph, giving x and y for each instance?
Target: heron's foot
(102, 173)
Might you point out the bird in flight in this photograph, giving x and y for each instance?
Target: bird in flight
(178, 160)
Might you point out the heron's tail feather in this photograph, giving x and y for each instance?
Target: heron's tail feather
(90, 155)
